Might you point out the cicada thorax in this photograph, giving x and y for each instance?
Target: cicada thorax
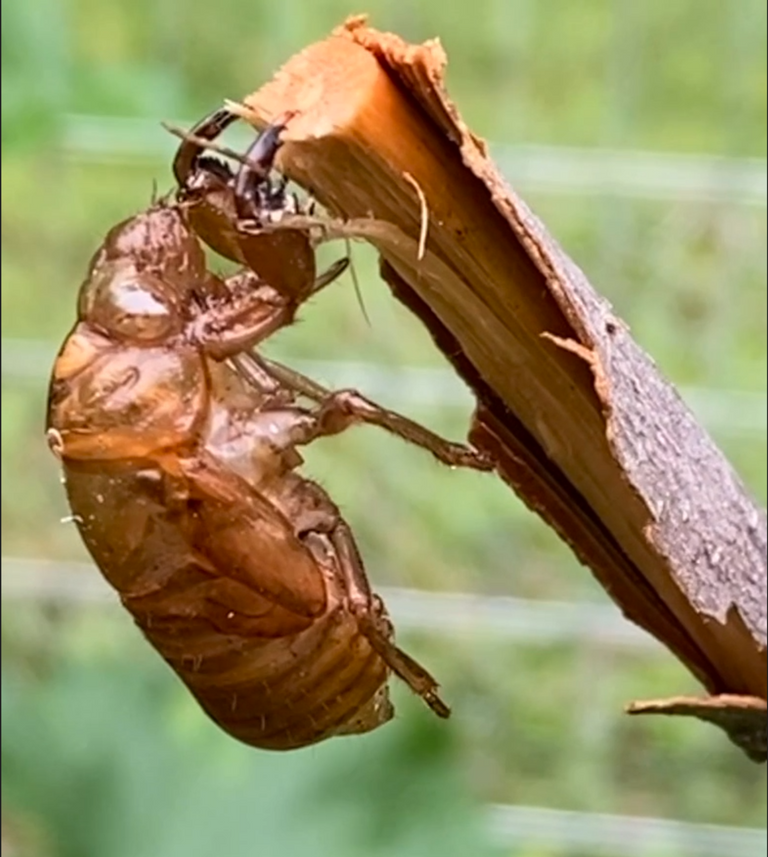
(126, 402)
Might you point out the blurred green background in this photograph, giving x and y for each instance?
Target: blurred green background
(637, 131)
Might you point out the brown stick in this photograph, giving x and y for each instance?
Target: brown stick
(582, 426)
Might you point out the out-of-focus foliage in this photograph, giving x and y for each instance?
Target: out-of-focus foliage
(112, 760)
(103, 753)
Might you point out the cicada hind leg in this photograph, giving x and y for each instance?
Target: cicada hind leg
(375, 625)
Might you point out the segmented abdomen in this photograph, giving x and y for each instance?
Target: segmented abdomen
(279, 693)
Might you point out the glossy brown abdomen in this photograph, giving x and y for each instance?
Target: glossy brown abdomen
(267, 676)
(287, 692)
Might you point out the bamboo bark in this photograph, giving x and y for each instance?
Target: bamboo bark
(582, 425)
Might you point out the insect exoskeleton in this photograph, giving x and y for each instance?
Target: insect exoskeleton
(179, 449)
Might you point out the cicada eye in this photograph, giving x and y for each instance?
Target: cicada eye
(129, 304)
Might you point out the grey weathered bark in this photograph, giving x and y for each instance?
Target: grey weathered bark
(582, 425)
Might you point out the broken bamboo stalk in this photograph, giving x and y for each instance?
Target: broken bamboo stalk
(582, 425)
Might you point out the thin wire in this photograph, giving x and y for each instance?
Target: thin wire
(731, 413)
(444, 613)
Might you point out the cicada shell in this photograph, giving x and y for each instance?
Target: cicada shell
(179, 451)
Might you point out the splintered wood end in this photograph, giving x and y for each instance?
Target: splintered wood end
(339, 83)
(329, 85)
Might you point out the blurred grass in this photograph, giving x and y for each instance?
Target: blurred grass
(93, 719)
